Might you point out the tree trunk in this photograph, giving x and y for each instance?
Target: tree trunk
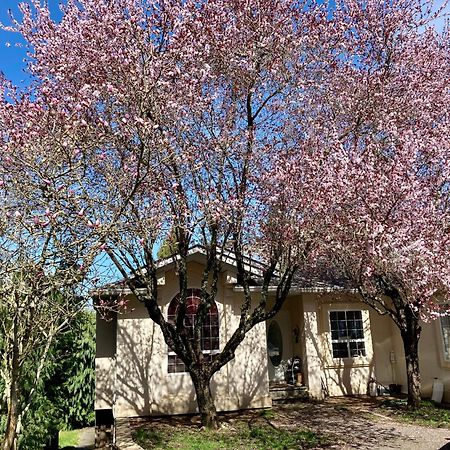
(410, 338)
(12, 418)
(13, 410)
(12, 421)
(205, 400)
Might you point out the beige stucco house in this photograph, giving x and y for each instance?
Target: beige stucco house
(341, 342)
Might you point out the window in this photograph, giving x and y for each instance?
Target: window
(209, 331)
(445, 328)
(347, 334)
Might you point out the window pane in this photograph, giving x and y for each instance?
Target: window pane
(214, 320)
(206, 344)
(340, 350)
(214, 343)
(175, 365)
(359, 334)
(215, 331)
(343, 331)
(357, 349)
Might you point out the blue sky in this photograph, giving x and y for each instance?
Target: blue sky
(11, 57)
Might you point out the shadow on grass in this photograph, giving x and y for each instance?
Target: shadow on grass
(238, 431)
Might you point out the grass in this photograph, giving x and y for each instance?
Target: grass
(69, 438)
(260, 436)
(428, 413)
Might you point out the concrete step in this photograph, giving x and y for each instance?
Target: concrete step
(284, 392)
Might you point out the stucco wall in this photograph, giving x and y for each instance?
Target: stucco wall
(390, 357)
(385, 360)
(327, 375)
(294, 307)
(384, 347)
(313, 363)
(431, 360)
(143, 385)
(105, 362)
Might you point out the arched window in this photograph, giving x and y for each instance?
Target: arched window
(209, 331)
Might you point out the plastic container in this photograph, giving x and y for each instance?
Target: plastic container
(373, 391)
(438, 390)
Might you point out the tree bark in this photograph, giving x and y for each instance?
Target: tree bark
(12, 419)
(13, 413)
(205, 400)
(410, 336)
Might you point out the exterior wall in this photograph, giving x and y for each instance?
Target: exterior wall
(313, 364)
(142, 385)
(385, 358)
(327, 375)
(431, 360)
(389, 356)
(105, 362)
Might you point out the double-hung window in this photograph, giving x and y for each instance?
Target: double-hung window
(347, 334)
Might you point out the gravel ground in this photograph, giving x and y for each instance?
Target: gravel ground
(357, 423)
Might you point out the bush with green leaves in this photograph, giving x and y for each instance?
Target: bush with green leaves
(64, 398)
(73, 373)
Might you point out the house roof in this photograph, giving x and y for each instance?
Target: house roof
(195, 254)
(306, 284)
(303, 282)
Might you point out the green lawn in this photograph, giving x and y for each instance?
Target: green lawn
(427, 414)
(259, 436)
(69, 438)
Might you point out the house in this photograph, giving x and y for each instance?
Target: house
(341, 342)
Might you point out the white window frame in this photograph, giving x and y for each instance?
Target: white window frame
(347, 340)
